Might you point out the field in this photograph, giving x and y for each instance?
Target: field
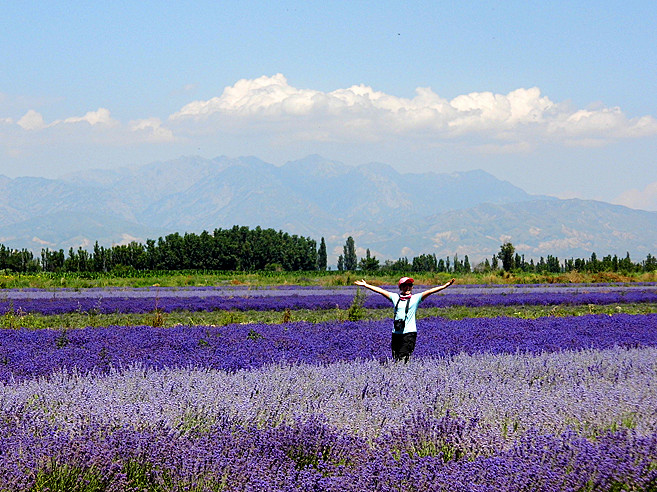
(263, 386)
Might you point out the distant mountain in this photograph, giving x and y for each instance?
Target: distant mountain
(393, 214)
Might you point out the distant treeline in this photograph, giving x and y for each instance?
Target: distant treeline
(235, 249)
(244, 249)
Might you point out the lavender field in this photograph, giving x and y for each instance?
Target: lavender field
(485, 404)
(142, 300)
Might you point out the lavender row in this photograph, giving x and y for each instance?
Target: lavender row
(286, 290)
(508, 395)
(25, 354)
(432, 454)
(108, 305)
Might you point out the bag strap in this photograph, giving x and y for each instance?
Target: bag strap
(408, 303)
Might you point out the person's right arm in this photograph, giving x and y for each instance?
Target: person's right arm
(374, 288)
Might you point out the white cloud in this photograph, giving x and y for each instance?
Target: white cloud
(268, 111)
(100, 117)
(506, 122)
(31, 121)
(645, 199)
(487, 110)
(153, 130)
(602, 123)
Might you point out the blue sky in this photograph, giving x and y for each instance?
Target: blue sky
(555, 97)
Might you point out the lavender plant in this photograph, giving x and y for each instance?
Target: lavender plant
(40, 352)
(507, 395)
(486, 404)
(147, 301)
(311, 455)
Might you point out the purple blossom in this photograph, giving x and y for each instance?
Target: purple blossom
(313, 456)
(144, 301)
(25, 353)
(485, 405)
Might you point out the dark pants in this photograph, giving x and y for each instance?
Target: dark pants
(402, 345)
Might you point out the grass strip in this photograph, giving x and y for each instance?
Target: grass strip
(75, 320)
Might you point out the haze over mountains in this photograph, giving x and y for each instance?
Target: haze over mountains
(393, 214)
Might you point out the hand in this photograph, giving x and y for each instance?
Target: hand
(362, 283)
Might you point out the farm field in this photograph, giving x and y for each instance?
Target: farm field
(511, 387)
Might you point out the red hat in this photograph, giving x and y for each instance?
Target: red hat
(405, 280)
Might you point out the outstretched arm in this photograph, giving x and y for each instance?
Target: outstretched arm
(436, 289)
(374, 288)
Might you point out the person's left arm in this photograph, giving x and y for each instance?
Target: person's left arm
(436, 289)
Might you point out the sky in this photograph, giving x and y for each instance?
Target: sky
(557, 98)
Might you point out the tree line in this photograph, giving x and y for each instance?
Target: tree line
(513, 261)
(243, 249)
(237, 249)
(507, 259)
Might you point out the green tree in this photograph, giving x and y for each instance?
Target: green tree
(425, 263)
(506, 256)
(369, 263)
(553, 265)
(350, 258)
(625, 265)
(401, 265)
(466, 265)
(322, 261)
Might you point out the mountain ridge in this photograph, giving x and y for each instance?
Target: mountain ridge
(394, 214)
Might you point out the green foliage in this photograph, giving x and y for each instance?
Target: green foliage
(505, 255)
(240, 249)
(322, 259)
(62, 339)
(61, 477)
(350, 258)
(157, 318)
(356, 310)
(79, 320)
(369, 263)
(236, 249)
(254, 335)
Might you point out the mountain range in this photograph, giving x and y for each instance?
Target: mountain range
(392, 213)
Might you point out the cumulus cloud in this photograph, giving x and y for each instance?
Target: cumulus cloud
(153, 130)
(31, 121)
(506, 122)
(603, 123)
(94, 127)
(272, 110)
(645, 199)
(100, 117)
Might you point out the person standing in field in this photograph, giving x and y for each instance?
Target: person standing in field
(404, 331)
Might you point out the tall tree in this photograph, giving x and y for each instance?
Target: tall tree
(322, 261)
(350, 258)
(506, 255)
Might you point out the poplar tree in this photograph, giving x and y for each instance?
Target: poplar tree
(350, 258)
(321, 256)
